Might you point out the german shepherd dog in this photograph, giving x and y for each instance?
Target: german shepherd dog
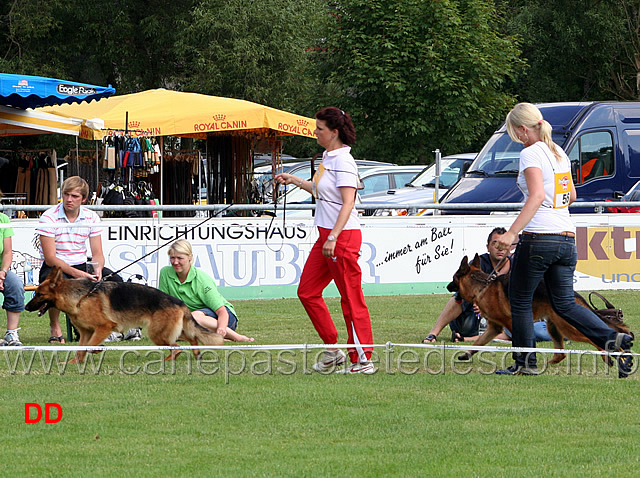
(97, 309)
(492, 298)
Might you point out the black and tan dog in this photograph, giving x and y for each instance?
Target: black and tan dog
(492, 298)
(97, 309)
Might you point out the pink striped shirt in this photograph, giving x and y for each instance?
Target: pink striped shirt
(71, 242)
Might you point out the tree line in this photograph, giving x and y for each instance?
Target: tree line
(416, 75)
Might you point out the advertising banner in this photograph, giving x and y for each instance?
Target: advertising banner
(257, 258)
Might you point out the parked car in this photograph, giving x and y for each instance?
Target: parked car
(632, 195)
(422, 189)
(262, 181)
(373, 179)
(602, 140)
(263, 178)
(265, 159)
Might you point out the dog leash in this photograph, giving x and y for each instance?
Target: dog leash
(97, 284)
(494, 273)
(275, 213)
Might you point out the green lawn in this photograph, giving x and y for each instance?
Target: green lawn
(129, 413)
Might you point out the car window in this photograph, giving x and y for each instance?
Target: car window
(303, 172)
(402, 179)
(375, 183)
(592, 157)
(501, 155)
(450, 174)
(631, 142)
(428, 173)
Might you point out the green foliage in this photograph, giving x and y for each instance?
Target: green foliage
(417, 75)
(258, 51)
(128, 44)
(576, 50)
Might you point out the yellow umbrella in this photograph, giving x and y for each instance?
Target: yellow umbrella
(14, 122)
(173, 113)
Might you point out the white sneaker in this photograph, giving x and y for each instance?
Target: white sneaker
(330, 360)
(359, 367)
(133, 334)
(11, 338)
(114, 337)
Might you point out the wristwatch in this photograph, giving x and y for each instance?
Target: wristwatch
(332, 238)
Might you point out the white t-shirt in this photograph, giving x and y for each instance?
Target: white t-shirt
(71, 242)
(553, 214)
(338, 169)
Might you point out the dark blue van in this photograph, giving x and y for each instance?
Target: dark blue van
(602, 140)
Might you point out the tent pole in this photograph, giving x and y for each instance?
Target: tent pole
(77, 157)
(97, 170)
(161, 169)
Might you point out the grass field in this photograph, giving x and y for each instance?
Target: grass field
(130, 414)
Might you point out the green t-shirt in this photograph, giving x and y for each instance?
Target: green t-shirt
(4, 219)
(198, 291)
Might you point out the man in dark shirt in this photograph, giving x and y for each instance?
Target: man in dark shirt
(462, 317)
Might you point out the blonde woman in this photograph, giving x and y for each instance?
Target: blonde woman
(547, 247)
(198, 290)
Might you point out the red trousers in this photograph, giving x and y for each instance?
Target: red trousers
(318, 272)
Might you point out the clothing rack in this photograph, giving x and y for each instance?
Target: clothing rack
(37, 176)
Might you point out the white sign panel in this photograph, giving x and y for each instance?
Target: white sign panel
(260, 258)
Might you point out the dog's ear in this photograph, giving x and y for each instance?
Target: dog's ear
(464, 267)
(55, 276)
(476, 261)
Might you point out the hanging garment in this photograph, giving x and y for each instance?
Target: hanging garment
(53, 178)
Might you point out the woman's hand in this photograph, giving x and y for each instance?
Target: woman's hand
(286, 178)
(506, 240)
(78, 274)
(329, 249)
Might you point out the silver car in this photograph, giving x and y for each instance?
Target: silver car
(421, 190)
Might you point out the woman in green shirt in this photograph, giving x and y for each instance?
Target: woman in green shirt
(196, 289)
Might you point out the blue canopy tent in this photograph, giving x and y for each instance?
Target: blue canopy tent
(24, 91)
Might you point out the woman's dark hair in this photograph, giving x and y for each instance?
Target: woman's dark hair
(335, 118)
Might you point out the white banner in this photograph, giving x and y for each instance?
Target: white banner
(257, 258)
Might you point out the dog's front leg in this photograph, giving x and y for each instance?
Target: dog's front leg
(492, 331)
(174, 353)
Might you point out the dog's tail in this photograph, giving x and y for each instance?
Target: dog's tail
(191, 329)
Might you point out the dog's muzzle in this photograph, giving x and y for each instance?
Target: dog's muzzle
(452, 287)
(41, 308)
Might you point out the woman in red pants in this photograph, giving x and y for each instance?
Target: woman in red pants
(335, 254)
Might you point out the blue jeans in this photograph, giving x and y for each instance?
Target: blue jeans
(552, 257)
(540, 330)
(233, 320)
(13, 293)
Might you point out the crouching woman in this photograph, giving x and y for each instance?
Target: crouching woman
(198, 290)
